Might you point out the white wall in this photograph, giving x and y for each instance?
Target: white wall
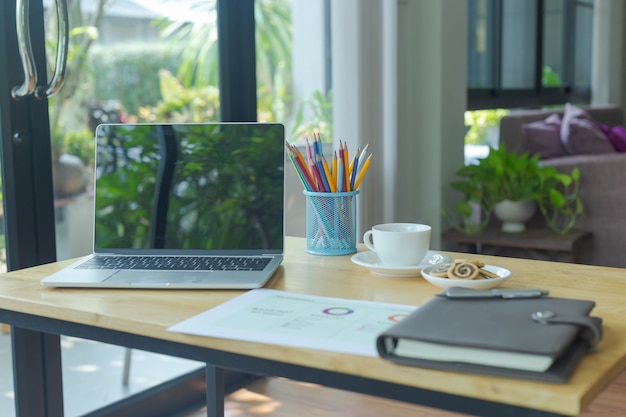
(399, 76)
(432, 101)
(608, 75)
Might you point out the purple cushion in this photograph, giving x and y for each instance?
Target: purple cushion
(581, 135)
(543, 137)
(617, 137)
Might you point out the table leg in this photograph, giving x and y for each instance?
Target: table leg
(37, 373)
(214, 391)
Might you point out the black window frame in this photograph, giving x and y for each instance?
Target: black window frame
(537, 96)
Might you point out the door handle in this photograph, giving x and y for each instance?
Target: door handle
(63, 37)
(26, 51)
(29, 86)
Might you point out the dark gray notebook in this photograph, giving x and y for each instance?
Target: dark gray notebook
(494, 336)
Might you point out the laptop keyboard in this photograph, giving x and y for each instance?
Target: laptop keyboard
(173, 263)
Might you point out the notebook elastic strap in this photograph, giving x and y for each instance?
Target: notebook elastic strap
(592, 326)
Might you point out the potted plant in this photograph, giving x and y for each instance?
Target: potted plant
(508, 177)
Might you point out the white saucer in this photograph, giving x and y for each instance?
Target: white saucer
(370, 260)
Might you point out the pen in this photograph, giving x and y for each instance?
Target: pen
(460, 292)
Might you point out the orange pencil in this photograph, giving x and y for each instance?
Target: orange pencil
(299, 156)
(329, 177)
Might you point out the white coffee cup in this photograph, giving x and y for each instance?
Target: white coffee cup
(399, 244)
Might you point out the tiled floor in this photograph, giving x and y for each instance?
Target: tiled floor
(92, 374)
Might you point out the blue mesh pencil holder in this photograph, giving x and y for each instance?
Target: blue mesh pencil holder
(331, 223)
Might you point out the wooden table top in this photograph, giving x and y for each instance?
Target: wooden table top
(150, 312)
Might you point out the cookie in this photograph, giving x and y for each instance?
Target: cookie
(479, 264)
(488, 275)
(463, 270)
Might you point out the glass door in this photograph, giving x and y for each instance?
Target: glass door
(136, 61)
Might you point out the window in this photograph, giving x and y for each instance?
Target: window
(528, 53)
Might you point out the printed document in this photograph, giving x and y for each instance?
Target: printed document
(298, 320)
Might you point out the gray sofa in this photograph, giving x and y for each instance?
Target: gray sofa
(602, 184)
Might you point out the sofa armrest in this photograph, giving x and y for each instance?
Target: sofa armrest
(603, 194)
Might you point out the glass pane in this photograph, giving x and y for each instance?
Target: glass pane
(553, 43)
(293, 66)
(124, 64)
(518, 44)
(293, 82)
(480, 40)
(583, 42)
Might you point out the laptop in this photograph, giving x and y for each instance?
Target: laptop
(197, 205)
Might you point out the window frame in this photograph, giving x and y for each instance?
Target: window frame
(538, 95)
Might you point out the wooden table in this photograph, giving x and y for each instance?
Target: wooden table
(535, 243)
(139, 318)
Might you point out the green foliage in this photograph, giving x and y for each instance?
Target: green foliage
(80, 143)
(320, 120)
(180, 104)
(560, 204)
(240, 201)
(128, 72)
(479, 122)
(549, 78)
(198, 45)
(504, 175)
(199, 55)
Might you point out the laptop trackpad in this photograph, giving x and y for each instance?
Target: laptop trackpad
(159, 277)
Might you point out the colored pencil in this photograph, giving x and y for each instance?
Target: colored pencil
(364, 168)
(332, 184)
(322, 172)
(301, 170)
(353, 169)
(334, 168)
(316, 175)
(340, 181)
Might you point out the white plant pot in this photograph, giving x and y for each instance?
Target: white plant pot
(514, 214)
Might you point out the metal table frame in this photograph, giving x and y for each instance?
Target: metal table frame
(37, 373)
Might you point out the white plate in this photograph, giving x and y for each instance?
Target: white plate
(370, 260)
(477, 284)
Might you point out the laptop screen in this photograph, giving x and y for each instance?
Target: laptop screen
(189, 187)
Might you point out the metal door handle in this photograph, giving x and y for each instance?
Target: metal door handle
(63, 37)
(26, 51)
